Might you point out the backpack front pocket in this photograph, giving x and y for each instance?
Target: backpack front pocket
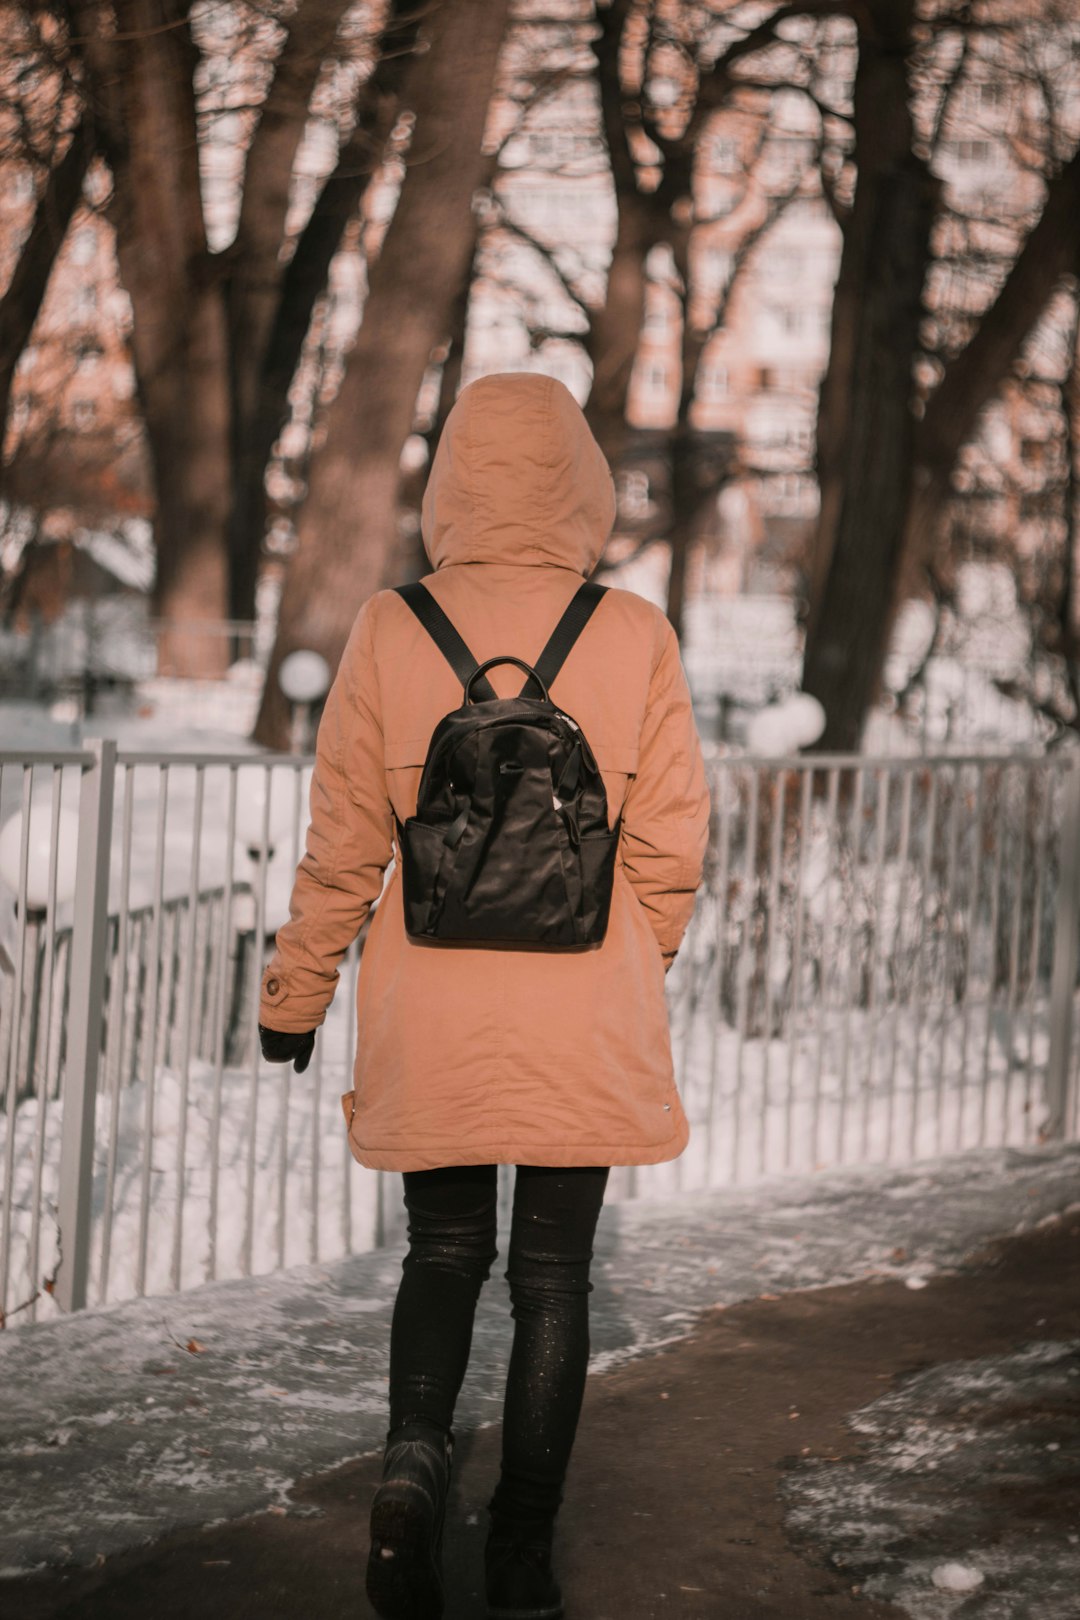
(424, 859)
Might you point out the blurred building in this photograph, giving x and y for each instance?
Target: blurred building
(764, 255)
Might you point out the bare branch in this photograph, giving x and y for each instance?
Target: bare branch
(544, 250)
(26, 290)
(1051, 250)
(718, 82)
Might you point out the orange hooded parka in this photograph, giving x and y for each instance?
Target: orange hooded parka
(485, 1055)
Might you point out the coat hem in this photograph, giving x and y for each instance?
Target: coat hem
(557, 1156)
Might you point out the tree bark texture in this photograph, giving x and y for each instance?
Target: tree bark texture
(872, 471)
(885, 476)
(615, 326)
(864, 434)
(141, 99)
(348, 527)
(179, 330)
(217, 337)
(269, 350)
(644, 219)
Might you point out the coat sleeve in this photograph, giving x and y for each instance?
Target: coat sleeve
(666, 813)
(348, 845)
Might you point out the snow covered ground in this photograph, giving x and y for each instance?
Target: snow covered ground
(907, 1520)
(267, 1179)
(201, 1175)
(121, 1423)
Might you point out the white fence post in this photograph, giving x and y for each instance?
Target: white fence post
(85, 1016)
(1066, 947)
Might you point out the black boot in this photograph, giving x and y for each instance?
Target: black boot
(517, 1565)
(404, 1572)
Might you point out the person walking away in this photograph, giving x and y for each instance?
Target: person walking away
(473, 1053)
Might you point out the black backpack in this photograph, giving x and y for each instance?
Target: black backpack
(510, 842)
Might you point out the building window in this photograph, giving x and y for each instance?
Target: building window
(783, 379)
(716, 267)
(714, 381)
(632, 489)
(85, 301)
(974, 152)
(722, 155)
(788, 495)
(783, 263)
(83, 245)
(722, 202)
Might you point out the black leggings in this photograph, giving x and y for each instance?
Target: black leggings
(452, 1245)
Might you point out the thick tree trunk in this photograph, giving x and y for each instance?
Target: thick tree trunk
(886, 478)
(186, 410)
(853, 614)
(409, 560)
(179, 338)
(615, 327)
(865, 425)
(302, 283)
(255, 273)
(141, 99)
(700, 464)
(216, 338)
(271, 307)
(348, 526)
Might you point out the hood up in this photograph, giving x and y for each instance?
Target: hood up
(518, 478)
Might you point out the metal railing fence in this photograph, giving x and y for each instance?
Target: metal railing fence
(93, 643)
(882, 965)
(223, 965)
(869, 973)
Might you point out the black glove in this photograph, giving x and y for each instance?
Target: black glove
(282, 1046)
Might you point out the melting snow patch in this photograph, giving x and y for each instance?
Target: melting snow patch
(956, 1577)
(942, 1512)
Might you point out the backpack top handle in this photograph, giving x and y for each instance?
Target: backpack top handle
(508, 658)
(470, 673)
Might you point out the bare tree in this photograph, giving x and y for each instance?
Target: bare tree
(887, 452)
(25, 291)
(348, 539)
(216, 334)
(909, 372)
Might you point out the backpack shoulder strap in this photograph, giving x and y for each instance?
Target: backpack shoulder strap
(445, 637)
(579, 611)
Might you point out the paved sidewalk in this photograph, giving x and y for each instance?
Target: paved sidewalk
(115, 1433)
(695, 1468)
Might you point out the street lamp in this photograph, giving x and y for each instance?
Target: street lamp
(265, 805)
(785, 727)
(304, 677)
(265, 796)
(254, 785)
(39, 848)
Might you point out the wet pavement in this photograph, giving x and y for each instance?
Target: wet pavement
(700, 1425)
